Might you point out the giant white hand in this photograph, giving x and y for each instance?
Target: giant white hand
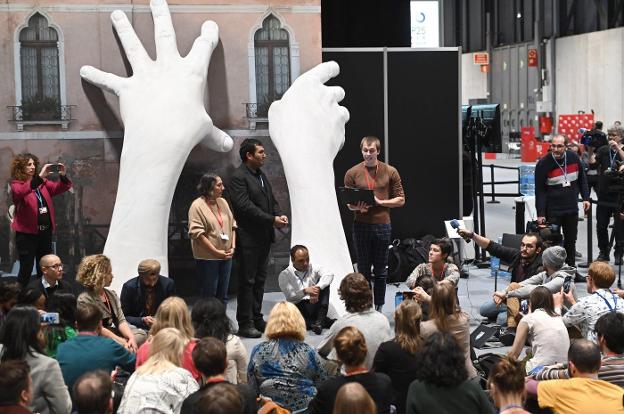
(164, 117)
(307, 127)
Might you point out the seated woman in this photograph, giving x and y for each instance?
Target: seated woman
(443, 384)
(21, 338)
(438, 267)
(353, 398)
(32, 297)
(173, 313)
(65, 305)
(506, 386)
(351, 350)
(358, 298)
(209, 319)
(96, 274)
(397, 358)
(160, 384)
(447, 316)
(545, 330)
(284, 368)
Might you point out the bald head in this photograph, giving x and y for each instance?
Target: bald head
(52, 268)
(93, 393)
(584, 355)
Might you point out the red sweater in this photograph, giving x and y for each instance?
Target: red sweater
(26, 204)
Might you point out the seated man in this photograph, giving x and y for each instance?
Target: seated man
(438, 266)
(89, 351)
(93, 393)
(524, 263)
(584, 313)
(552, 278)
(16, 388)
(358, 298)
(307, 287)
(9, 291)
(142, 295)
(583, 392)
(210, 358)
(610, 334)
(52, 277)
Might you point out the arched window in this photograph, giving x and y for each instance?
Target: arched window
(272, 54)
(39, 64)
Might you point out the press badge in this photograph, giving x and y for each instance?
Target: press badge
(566, 184)
(224, 237)
(43, 210)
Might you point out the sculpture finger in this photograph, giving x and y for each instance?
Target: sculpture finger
(137, 56)
(334, 93)
(202, 49)
(164, 34)
(112, 83)
(344, 114)
(324, 71)
(217, 139)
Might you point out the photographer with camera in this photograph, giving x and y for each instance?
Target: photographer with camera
(609, 159)
(559, 179)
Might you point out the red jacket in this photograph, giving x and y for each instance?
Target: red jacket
(26, 204)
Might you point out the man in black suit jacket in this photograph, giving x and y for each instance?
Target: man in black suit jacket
(142, 295)
(52, 277)
(256, 212)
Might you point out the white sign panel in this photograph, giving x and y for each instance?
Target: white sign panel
(425, 24)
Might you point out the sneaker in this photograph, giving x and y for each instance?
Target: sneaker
(249, 332)
(317, 328)
(578, 255)
(378, 308)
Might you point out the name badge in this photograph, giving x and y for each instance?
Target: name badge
(43, 210)
(224, 237)
(566, 184)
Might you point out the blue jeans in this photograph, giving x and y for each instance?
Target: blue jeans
(491, 311)
(214, 276)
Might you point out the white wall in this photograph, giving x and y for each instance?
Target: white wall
(589, 74)
(474, 82)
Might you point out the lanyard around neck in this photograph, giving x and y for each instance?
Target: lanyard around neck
(370, 182)
(563, 169)
(217, 214)
(611, 308)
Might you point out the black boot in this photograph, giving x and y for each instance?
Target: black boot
(317, 326)
(603, 256)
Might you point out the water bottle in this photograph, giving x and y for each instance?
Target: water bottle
(494, 264)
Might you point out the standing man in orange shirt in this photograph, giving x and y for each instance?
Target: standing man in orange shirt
(372, 232)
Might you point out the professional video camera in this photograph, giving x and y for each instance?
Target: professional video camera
(550, 233)
(593, 137)
(613, 180)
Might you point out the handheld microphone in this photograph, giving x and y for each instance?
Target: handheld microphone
(455, 224)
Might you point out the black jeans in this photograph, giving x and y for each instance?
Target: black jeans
(569, 225)
(315, 312)
(603, 218)
(29, 247)
(252, 263)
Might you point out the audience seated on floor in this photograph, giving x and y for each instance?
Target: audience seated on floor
(160, 384)
(51, 280)
(89, 351)
(284, 368)
(308, 287)
(63, 303)
(210, 357)
(443, 384)
(209, 319)
(358, 298)
(221, 399)
(352, 398)
(30, 296)
(21, 339)
(506, 386)
(173, 313)
(601, 300)
(583, 392)
(9, 291)
(439, 267)
(16, 390)
(545, 331)
(397, 358)
(351, 350)
(93, 393)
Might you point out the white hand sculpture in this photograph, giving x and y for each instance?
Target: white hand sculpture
(164, 117)
(307, 127)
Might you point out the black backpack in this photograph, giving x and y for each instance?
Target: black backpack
(403, 257)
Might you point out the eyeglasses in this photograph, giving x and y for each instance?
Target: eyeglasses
(55, 266)
(557, 145)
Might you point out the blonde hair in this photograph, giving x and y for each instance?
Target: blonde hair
(174, 313)
(352, 398)
(602, 274)
(148, 266)
(93, 270)
(407, 317)
(165, 352)
(443, 305)
(285, 320)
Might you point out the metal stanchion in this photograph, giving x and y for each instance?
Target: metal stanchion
(493, 200)
(590, 242)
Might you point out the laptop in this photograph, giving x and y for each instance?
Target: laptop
(481, 334)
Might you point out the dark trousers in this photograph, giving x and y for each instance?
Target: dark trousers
(315, 312)
(569, 225)
(603, 218)
(252, 263)
(215, 278)
(29, 248)
(371, 248)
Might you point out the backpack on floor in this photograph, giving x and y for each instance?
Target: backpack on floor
(403, 257)
(484, 364)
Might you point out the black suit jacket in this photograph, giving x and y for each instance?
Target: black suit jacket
(254, 207)
(133, 298)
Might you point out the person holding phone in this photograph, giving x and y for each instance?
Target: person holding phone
(34, 222)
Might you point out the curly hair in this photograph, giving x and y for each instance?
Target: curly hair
(407, 318)
(173, 313)
(93, 270)
(356, 293)
(19, 163)
(441, 361)
(285, 320)
(209, 319)
(350, 346)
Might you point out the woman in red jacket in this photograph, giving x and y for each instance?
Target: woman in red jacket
(33, 220)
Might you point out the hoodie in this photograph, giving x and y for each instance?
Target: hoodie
(553, 282)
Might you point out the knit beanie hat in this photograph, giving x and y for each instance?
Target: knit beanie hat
(554, 257)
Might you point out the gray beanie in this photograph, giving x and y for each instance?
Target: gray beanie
(554, 257)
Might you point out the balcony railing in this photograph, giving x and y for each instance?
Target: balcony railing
(60, 116)
(256, 112)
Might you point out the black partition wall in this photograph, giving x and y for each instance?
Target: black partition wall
(411, 100)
